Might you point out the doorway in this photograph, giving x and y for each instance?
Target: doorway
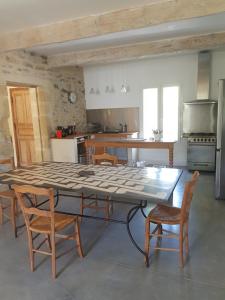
(25, 125)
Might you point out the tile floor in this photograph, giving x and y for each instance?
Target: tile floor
(113, 269)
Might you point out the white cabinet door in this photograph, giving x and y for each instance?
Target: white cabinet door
(64, 150)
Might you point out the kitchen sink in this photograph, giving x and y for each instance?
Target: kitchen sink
(110, 131)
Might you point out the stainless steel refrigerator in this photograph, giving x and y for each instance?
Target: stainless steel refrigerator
(220, 144)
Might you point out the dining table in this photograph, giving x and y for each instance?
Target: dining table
(126, 185)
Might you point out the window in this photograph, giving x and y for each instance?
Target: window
(161, 112)
(150, 109)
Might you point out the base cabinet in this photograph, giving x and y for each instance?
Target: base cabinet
(64, 150)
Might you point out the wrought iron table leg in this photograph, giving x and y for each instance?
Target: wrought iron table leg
(57, 198)
(132, 212)
(143, 213)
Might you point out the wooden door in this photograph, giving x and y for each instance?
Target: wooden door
(23, 125)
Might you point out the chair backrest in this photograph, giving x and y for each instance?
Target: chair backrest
(8, 161)
(188, 195)
(104, 157)
(31, 191)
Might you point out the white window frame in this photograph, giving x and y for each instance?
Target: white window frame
(160, 106)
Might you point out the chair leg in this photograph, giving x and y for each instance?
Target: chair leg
(49, 242)
(78, 239)
(53, 255)
(186, 239)
(82, 204)
(13, 216)
(111, 208)
(159, 231)
(1, 214)
(31, 253)
(81, 207)
(147, 239)
(107, 210)
(181, 241)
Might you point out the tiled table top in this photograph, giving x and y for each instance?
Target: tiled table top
(152, 184)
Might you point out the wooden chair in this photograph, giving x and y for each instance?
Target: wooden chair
(92, 201)
(104, 159)
(8, 200)
(45, 222)
(162, 214)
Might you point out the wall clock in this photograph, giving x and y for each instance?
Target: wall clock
(72, 97)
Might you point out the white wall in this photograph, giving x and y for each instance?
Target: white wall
(147, 73)
(217, 71)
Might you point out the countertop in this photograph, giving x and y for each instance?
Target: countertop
(100, 134)
(131, 140)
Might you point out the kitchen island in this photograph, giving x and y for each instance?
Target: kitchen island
(135, 143)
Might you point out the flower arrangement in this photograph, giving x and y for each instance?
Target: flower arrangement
(157, 134)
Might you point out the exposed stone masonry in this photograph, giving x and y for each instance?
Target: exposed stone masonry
(23, 67)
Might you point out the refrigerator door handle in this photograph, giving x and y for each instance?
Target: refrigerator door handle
(220, 113)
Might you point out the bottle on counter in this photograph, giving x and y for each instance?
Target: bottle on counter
(124, 128)
(59, 132)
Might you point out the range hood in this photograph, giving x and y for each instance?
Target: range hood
(199, 116)
(203, 79)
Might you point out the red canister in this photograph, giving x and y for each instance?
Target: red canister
(59, 134)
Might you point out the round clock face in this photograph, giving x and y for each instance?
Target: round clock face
(72, 97)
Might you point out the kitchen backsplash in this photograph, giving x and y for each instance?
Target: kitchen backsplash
(113, 117)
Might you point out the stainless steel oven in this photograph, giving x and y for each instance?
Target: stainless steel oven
(201, 153)
(81, 150)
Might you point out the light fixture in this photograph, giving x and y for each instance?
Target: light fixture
(124, 89)
(94, 91)
(109, 90)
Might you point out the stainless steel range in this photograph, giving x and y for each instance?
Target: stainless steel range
(200, 121)
(201, 153)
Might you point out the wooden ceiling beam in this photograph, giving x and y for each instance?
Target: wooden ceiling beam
(141, 50)
(117, 21)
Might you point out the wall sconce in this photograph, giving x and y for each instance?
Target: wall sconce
(93, 91)
(109, 90)
(124, 89)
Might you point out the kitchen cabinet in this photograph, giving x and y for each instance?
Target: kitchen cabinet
(64, 150)
(69, 149)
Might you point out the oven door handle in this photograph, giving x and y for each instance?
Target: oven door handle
(201, 164)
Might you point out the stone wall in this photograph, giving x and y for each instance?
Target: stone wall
(25, 68)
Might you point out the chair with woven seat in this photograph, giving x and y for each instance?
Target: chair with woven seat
(46, 222)
(104, 158)
(8, 199)
(162, 214)
(91, 201)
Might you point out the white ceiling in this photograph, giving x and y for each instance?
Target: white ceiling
(196, 26)
(20, 14)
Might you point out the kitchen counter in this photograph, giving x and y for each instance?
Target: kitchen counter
(72, 136)
(115, 134)
(101, 135)
(132, 143)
